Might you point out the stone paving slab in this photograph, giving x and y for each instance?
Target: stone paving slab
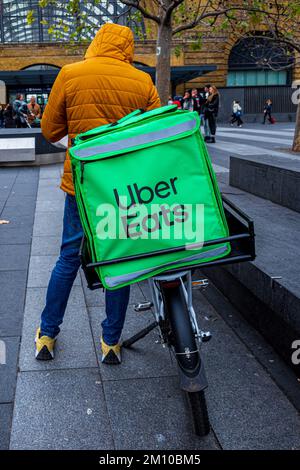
(13, 287)
(47, 225)
(15, 235)
(6, 410)
(60, 410)
(52, 205)
(2, 204)
(50, 171)
(157, 417)
(21, 202)
(50, 196)
(42, 246)
(24, 189)
(8, 371)
(27, 175)
(53, 182)
(19, 229)
(14, 257)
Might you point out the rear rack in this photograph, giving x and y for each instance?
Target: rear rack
(241, 238)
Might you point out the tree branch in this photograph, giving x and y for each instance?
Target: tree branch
(146, 14)
(216, 14)
(173, 5)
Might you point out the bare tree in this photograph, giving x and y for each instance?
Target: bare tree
(277, 24)
(176, 17)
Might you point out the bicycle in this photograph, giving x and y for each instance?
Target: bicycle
(175, 317)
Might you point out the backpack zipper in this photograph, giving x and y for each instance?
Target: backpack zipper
(81, 171)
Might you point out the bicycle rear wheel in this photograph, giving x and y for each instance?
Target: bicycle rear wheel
(197, 402)
(186, 350)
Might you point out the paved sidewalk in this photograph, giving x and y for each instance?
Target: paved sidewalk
(75, 402)
(18, 189)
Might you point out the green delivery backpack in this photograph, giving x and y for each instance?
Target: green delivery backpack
(147, 196)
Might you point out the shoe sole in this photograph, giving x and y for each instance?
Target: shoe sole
(44, 354)
(111, 359)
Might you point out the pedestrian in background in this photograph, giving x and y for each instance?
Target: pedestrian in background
(268, 112)
(211, 113)
(20, 112)
(196, 100)
(8, 116)
(187, 102)
(34, 112)
(203, 98)
(236, 114)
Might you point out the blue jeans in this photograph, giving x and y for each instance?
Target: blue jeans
(205, 124)
(62, 279)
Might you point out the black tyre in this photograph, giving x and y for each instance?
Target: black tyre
(198, 407)
(182, 334)
(183, 338)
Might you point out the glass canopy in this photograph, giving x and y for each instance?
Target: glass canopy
(53, 21)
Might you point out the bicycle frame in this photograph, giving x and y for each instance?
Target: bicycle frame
(158, 302)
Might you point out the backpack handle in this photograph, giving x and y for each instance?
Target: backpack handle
(130, 118)
(137, 112)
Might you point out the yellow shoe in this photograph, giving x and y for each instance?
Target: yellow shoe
(111, 354)
(44, 347)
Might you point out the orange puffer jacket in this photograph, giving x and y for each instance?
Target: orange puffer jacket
(100, 89)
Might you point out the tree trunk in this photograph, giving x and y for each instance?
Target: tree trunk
(163, 62)
(296, 143)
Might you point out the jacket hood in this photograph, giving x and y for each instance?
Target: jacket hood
(112, 40)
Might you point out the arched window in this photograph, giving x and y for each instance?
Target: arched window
(258, 61)
(41, 67)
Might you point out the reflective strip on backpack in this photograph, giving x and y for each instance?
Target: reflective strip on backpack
(117, 280)
(138, 140)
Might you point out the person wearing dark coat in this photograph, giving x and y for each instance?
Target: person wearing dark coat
(211, 112)
(8, 116)
(268, 112)
(20, 111)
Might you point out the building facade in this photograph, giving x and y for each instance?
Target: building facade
(28, 42)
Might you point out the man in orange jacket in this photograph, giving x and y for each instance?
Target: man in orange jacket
(102, 88)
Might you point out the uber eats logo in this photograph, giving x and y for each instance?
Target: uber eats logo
(145, 194)
(143, 211)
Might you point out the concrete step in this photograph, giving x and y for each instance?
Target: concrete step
(17, 149)
(267, 290)
(276, 179)
(27, 147)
